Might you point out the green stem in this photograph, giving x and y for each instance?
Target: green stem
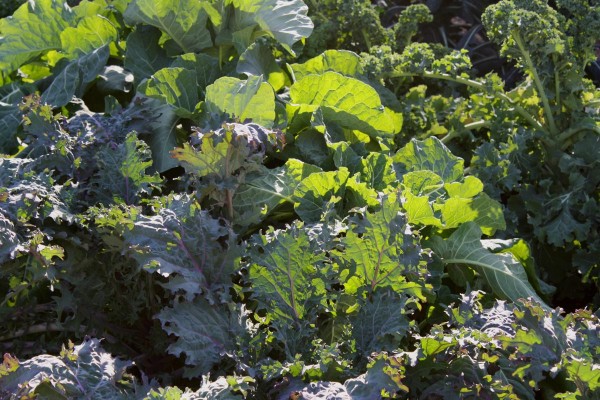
(564, 137)
(538, 83)
(478, 85)
(366, 37)
(556, 82)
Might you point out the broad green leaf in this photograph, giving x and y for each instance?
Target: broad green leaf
(345, 156)
(419, 210)
(206, 67)
(505, 275)
(380, 251)
(284, 20)
(469, 188)
(184, 22)
(286, 277)
(429, 154)
(74, 78)
(377, 171)
(380, 323)
(484, 211)
(262, 192)
(122, 175)
(159, 132)
(205, 333)
(252, 100)
(143, 55)
(342, 61)
(258, 60)
(422, 182)
(184, 241)
(346, 101)
(174, 86)
(33, 30)
(90, 34)
(316, 190)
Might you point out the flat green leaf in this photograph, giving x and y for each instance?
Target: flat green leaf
(377, 171)
(381, 251)
(90, 34)
(316, 190)
(419, 210)
(252, 100)
(346, 101)
(484, 211)
(262, 192)
(143, 55)
(206, 67)
(505, 275)
(184, 22)
(73, 79)
(205, 333)
(285, 275)
(429, 154)
(284, 20)
(174, 86)
(258, 60)
(342, 61)
(32, 31)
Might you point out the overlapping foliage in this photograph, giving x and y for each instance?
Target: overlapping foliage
(246, 225)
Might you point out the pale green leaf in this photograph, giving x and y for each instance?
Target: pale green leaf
(285, 276)
(484, 211)
(505, 275)
(183, 21)
(90, 33)
(252, 100)
(318, 189)
(342, 61)
(429, 154)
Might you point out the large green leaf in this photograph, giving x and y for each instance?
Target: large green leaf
(381, 251)
(252, 100)
(345, 101)
(33, 30)
(206, 68)
(429, 154)
(285, 273)
(257, 60)
(284, 20)
(143, 55)
(73, 79)
(183, 21)
(342, 61)
(90, 33)
(174, 86)
(505, 275)
(316, 190)
(206, 333)
(262, 192)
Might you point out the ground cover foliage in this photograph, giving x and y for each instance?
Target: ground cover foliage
(280, 199)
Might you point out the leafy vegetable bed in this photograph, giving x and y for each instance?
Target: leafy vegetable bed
(202, 200)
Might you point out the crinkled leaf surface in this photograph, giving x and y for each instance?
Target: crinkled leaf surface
(381, 251)
(186, 241)
(503, 272)
(286, 277)
(206, 333)
(342, 61)
(252, 100)
(429, 154)
(82, 372)
(122, 172)
(184, 22)
(380, 323)
(10, 116)
(346, 101)
(316, 190)
(90, 34)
